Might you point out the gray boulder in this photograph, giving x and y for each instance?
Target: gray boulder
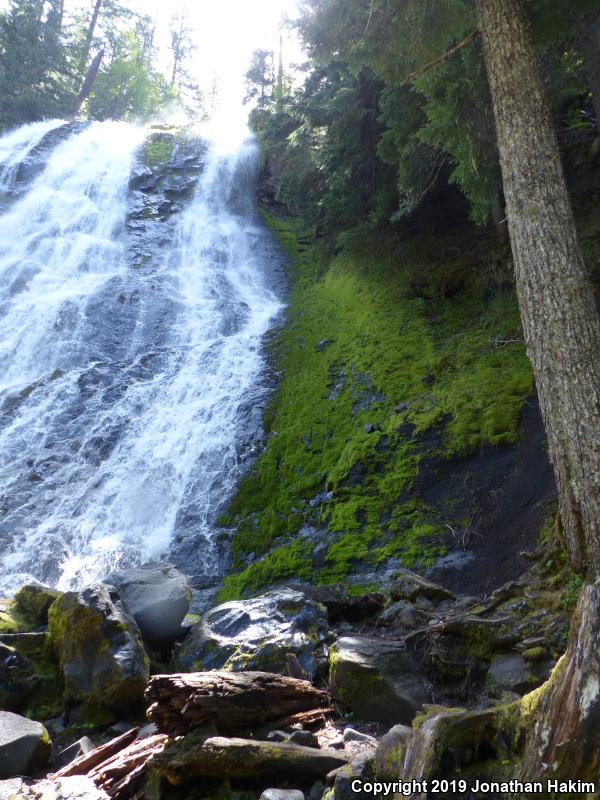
(509, 673)
(360, 768)
(100, 649)
(24, 746)
(410, 586)
(389, 756)
(282, 794)
(257, 635)
(158, 597)
(375, 679)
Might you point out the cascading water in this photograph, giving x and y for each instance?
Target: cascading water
(131, 365)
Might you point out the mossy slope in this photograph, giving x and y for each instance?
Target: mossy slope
(385, 360)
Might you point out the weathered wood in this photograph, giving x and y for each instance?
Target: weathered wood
(564, 735)
(117, 775)
(242, 758)
(87, 762)
(234, 701)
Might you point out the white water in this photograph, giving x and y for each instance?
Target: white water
(123, 386)
(16, 145)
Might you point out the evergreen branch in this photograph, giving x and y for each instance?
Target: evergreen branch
(417, 74)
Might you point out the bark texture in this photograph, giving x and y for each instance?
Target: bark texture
(560, 321)
(565, 740)
(233, 701)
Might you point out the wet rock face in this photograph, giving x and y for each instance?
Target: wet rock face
(158, 597)
(100, 649)
(257, 634)
(24, 746)
(375, 679)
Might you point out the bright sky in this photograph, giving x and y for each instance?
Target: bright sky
(227, 32)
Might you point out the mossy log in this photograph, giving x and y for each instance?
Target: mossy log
(217, 757)
(233, 701)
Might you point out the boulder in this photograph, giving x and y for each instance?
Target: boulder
(282, 794)
(360, 768)
(403, 614)
(33, 602)
(390, 753)
(410, 586)
(24, 746)
(100, 650)
(78, 788)
(509, 673)
(375, 679)
(158, 597)
(257, 635)
(17, 679)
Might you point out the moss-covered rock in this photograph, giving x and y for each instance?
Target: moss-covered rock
(99, 647)
(375, 679)
(396, 382)
(33, 602)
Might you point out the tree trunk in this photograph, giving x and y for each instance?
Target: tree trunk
(233, 701)
(560, 321)
(88, 83)
(89, 36)
(565, 738)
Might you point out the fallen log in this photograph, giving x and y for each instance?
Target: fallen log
(233, 701)
(193, 756)
(87, 762)
(117, 775)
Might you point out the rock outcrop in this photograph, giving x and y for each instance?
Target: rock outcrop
(100, 650)
(376, 679)
(25, 746)
(158, 597)
(258, 635)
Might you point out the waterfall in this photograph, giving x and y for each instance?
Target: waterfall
(132, 371)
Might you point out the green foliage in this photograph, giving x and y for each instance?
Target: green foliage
(33, 64)
(383, 119)
(45, 53)
(129, 87)
(359, 349)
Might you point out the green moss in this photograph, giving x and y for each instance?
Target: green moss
(360, 349)
(285, 562)
(158, 149)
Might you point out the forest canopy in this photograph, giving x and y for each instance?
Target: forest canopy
(394, 104)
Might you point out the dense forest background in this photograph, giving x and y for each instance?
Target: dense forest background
(46, 54)
(394, 104)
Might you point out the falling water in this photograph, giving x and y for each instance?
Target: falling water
(128, 387)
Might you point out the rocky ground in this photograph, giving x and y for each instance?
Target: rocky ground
(116, 690)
